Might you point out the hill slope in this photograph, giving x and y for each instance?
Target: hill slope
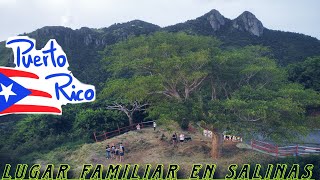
(146, 147)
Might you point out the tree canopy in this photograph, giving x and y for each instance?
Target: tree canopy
(306, 73)
(191, 78)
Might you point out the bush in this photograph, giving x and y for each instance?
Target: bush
(184, 123)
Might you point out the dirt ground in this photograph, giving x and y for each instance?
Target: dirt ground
(147, 147)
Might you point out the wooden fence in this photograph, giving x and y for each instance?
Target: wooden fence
(119, 131)
(283, 151)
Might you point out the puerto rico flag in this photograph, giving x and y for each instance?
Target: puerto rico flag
(24, 92)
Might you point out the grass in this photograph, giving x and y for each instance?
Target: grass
(146, 147)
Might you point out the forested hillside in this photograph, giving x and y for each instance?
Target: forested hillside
(220, 72)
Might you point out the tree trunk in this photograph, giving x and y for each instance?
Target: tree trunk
(225, 91)
(186, 93)
(176, 94)
(213, 91)
(130, 117)
(130, 120)
(215, 149)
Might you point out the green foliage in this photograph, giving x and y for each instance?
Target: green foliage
(164, 65)
(306, 73)
(184, 123)
(181, 77)
(242, 90)
(35, 135)
(88, 121)
(286, 47)
(127, 90)
(5, 55)
(249, 66)
(255, 96)
(272, 113)
(291, 160)
(168, 56)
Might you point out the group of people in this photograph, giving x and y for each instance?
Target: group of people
(154, 126)
(115, 152)
(175, 138)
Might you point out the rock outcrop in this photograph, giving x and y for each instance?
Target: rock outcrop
(249, 23)
(216, 20)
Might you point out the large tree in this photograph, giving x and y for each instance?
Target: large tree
(127, 95)
(163, 66)
(184, 77)
(251, 95)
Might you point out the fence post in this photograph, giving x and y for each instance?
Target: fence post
(105, 135)
(95, 137)
(118, 129)
(297, 150)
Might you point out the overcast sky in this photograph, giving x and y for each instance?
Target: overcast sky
(19, 16)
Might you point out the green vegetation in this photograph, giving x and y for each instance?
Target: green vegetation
(286, 47)
(236, 85)
(189, 78)
(306, 73)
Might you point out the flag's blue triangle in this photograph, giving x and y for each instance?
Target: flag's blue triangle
(20, 91)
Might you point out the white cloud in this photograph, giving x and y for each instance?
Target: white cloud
(7, 2)
(66, 21)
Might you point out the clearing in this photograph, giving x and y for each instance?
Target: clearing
(146, 147)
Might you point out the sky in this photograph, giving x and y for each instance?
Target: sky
(20, 16)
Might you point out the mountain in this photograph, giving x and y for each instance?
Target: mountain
(247, 29)
(82, 46)
(213, 23)
(248, 22)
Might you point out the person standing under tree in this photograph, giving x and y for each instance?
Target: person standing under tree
(154, 125)
(181, 138)
(174, 139)
(116, 152)
(108, 150)
(113, 151)
(121, 147)
(121, 153)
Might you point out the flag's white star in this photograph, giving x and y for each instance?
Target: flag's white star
(6, 91)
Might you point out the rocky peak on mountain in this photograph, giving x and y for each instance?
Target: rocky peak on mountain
(216, 19)
(83, 46)
(248, 22)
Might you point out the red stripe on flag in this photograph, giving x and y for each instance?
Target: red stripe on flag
(39, 93)
(16, 73)
(30, 108)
